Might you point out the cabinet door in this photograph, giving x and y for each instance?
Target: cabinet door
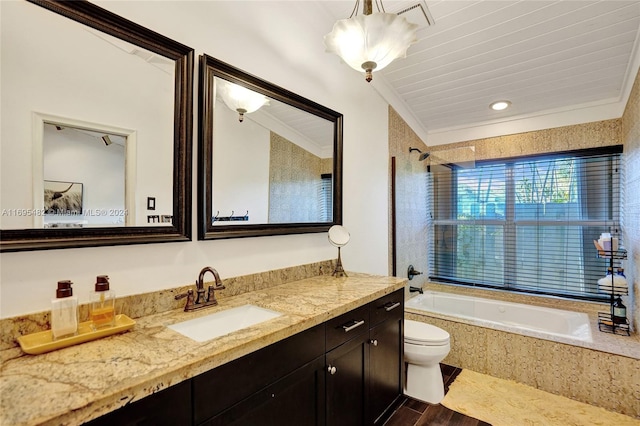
(346, 382)
(223, 387)
(385, 368)
(296, 399)
(168, 407)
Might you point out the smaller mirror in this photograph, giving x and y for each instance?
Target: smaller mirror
(339, 237)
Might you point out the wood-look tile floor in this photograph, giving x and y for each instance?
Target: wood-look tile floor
(417, 413)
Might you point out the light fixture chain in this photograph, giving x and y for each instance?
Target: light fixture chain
(355, 9)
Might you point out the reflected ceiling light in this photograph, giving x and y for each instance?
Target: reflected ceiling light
(241, 99)
(371, 40)
(500, 105)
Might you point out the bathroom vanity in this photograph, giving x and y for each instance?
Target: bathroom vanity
(334, 357)
(346, 371)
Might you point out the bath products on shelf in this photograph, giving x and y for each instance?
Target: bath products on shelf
(102, 312)
(618, 281)
(618, 312)
(607, 242)
(64, 311)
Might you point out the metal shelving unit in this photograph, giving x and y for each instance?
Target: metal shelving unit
(605, 319)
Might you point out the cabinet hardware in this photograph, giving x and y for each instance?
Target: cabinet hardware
(374, 342)
(355, 324)
(332, 370)
(391, 306)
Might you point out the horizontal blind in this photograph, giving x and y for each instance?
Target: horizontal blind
(525, 224)
(325, 195)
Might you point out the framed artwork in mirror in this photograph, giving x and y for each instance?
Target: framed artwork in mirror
(270, 159)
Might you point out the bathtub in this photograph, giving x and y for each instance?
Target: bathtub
(508, 316)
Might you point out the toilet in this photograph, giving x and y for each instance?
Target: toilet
(425, 345)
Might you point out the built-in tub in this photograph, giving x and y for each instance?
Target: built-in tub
(508, 316)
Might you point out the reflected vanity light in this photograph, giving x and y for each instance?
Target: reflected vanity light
(241, 99)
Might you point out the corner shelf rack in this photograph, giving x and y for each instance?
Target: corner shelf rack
(605, 319)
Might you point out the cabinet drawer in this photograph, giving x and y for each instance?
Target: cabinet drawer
(347, 326)
(389, 306)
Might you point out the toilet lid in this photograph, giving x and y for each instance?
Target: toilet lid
(420, 333)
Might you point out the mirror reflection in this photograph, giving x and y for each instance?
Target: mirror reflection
(96, 114)
(81, 88)
(84, 177)
(272, 163)
(271, 160)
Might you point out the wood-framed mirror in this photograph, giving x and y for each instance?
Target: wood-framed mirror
(270, 160)
(97, 129)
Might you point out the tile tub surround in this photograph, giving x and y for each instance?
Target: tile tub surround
(139, 305)
(600, 377)
(82, 382)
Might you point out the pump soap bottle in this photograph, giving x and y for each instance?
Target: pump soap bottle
(102, 312)
(64, 311)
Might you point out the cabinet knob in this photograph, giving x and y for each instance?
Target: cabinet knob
(332, 370)
(374, 342)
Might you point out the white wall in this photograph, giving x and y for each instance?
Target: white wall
(247, 35)
(241, 167)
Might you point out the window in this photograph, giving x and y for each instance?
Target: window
(526, 224)
(326, 197)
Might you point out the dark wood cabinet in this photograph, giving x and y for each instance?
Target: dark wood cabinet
(346, 376)
(347, 371)
(292, 400)
(232, 385)
(386, 359)
(169, 407)
(365, 362)
(385, 368)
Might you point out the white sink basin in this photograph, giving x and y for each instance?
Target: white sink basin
(223, 322)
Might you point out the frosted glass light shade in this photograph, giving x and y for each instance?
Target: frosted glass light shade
(368, 42)
(241, 99)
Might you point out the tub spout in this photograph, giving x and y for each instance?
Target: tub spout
(413, 289)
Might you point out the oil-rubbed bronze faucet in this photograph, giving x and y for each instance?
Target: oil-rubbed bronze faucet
(202, 300)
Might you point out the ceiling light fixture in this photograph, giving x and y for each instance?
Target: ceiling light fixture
(241, 99)
(371, 40)
(500, 105)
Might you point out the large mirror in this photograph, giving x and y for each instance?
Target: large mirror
(96, 129)
(270, 160)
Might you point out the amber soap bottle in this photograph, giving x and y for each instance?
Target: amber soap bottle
(102, 312)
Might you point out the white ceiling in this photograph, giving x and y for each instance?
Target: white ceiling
(558, 62)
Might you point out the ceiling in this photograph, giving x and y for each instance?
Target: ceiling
(558, 62)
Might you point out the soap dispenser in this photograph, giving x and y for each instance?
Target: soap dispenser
(64, 311)
(102, 312)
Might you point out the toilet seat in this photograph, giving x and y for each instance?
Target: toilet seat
(422, 334)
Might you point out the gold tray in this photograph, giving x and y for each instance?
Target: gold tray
(41, 342)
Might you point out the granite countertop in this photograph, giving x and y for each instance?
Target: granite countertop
(79, 383)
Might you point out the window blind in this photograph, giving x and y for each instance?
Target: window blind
(326, 197)
(526, 224)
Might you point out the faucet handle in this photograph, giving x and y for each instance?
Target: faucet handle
(189, 296)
